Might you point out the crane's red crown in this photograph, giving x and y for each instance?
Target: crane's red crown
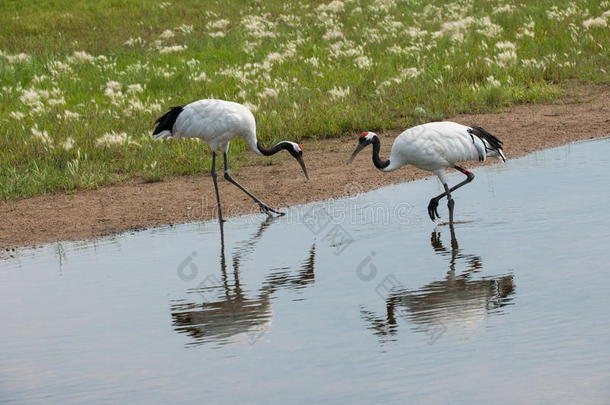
(363, 134)
(300, 146)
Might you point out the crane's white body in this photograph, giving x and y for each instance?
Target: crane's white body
(215, 122)
(436, 146)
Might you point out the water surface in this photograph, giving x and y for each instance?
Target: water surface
(361, 300)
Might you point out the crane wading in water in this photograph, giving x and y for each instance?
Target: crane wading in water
(217, 122)
(434, 147)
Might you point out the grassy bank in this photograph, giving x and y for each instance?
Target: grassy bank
(82, 82)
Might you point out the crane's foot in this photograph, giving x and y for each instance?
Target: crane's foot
(265, 209)
(433, 209)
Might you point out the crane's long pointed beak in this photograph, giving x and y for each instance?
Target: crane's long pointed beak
(358, 149)
(302, 163)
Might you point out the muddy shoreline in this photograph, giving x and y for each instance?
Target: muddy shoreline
(582, 113)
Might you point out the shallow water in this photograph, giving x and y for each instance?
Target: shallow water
(361, 300)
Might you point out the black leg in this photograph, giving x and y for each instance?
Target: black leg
(450, 203)
(213, 173)
(264, 207)
(433, 205)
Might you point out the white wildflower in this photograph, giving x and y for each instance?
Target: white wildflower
(332, 7)
(185, 29)
(135, 88)
(259, 27)
(291, 20)
(396, 49)
(380, 6)
(250, 106)
(200, 77)
(39, 78)
(313, 61)
(16, 115)
(218, 24)
(415, 32)
(192, 63)
(410, 72)
(82, 56)
(487, 28)
(112, 138)
(493, 82)
(68, 143)
(407, 73)
(555, 13)
(21, 57)
(58, 67)
(71, 115)
(506, 58)
(506, 45)
(174, 48)
(113, 85)
(273, 93)
(167, 34)
(113, 90)
(56, 101)
(595, 23)
(134, 41)
(527, 30)
(135, 105)
(332, 33)
(363, 62)
(455, 29)
(345, 48)
(339, 92)
(33, 98)
(373, 35)
(42, 136)
(274, 57)
(533, 63)
(506, 8)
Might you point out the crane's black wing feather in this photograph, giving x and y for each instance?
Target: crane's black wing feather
(493, 142)
(167, 120)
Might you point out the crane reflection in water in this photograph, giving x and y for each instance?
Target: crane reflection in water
(222, 311)
(459, 301)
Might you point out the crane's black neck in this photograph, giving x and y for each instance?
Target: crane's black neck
(268, 152)
(380, 164)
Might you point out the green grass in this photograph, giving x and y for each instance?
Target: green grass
(332, 69)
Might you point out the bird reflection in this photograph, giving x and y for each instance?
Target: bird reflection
(459, 301)
(224, 312)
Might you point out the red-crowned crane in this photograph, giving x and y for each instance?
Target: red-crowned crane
(217, 122)
(434, 147)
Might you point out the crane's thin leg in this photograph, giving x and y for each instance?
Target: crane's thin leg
(433, 206)
(450, 203)
(264, 207)
(213, 173)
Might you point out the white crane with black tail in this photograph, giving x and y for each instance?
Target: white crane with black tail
(217, 122)
(434, 147)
